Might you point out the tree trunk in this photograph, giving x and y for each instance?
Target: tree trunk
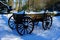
(17, 5)
(10, 2)
(20, 4)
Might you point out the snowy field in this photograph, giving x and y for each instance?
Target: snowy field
(38, 34)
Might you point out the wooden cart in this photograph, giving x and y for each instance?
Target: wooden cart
(24, 23)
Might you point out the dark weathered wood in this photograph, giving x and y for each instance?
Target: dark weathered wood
(57, 14)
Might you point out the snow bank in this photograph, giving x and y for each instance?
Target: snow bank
(38, 34)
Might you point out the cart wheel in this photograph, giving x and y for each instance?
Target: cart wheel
(47, 23)
(11, 23)
(26, 27)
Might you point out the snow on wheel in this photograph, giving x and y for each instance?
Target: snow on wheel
(47, 23)
(11, 23)
(26, 27)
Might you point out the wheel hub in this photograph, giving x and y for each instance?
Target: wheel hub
(25, 26)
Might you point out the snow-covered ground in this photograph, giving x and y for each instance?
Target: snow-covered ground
(38, 34)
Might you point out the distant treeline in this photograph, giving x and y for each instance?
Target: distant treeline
(34, 5)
